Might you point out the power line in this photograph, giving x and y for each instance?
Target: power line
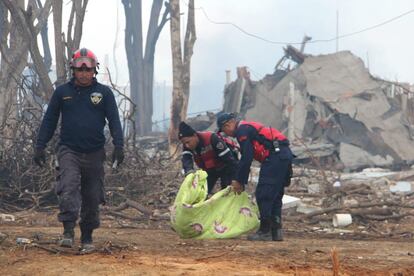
(365, 29)
(241, 29)
(298, 43)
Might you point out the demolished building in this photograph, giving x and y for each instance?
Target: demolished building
(330, 106)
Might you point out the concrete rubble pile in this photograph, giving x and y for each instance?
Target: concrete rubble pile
(330, 106)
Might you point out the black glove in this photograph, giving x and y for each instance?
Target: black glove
(118, 155)
(39, 156)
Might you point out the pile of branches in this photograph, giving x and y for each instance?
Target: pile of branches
(24, 185)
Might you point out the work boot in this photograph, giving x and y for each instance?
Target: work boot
(264, 233)
(86, 241)
(87, 248)
(277, 233)
(68, 234)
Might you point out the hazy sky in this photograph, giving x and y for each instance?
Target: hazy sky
(219, 47)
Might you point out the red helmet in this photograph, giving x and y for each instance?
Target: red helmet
(84, 57)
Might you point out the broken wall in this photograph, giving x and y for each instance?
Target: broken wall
(334, 99)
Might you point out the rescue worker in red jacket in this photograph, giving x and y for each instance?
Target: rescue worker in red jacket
(271, 148)
(210, 152)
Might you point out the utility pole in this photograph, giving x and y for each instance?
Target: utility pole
(291, 112)
(228, 77)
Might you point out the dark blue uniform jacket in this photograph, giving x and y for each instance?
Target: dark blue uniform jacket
(84, 112)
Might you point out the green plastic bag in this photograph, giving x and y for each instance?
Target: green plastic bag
(224, 215)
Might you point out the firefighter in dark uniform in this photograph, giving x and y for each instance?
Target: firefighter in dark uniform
(271, 148)
(210, 152)
(84, 105)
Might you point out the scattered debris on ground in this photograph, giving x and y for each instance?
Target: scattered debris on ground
(122, 251)
(378, 203)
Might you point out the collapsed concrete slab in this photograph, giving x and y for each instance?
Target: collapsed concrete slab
(332, 99)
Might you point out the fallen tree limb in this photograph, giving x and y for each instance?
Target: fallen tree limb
(356, 206)
(123, 225)
(124, 216)
(50, 250)
(121, 207)
(159, 218)
(133, 204)
(374, 211)
(139, 207)
(381, 218)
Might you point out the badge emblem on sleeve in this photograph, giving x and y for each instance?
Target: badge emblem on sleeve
(96, 97)
(220, 146)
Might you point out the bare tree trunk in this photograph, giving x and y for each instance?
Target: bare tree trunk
(153, 33)
(147, 106)
(17, 41)
(4, 32)
(189, 40)
(77, 14)
(29, 32)
(134, 51)
(47, 56)
(181, 69)
(80, 7)
(177, 96)
(59, 46)
(140, 60)
(14, 51)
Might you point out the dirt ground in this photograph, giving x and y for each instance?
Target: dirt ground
(123, 251)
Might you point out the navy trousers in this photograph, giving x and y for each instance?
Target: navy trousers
(80, 187)
(274, 176)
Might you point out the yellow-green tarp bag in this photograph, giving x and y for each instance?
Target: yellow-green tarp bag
(225, 215)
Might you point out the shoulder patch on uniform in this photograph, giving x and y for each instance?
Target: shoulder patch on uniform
(96, 97)
(220, 145)
(242, 138)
